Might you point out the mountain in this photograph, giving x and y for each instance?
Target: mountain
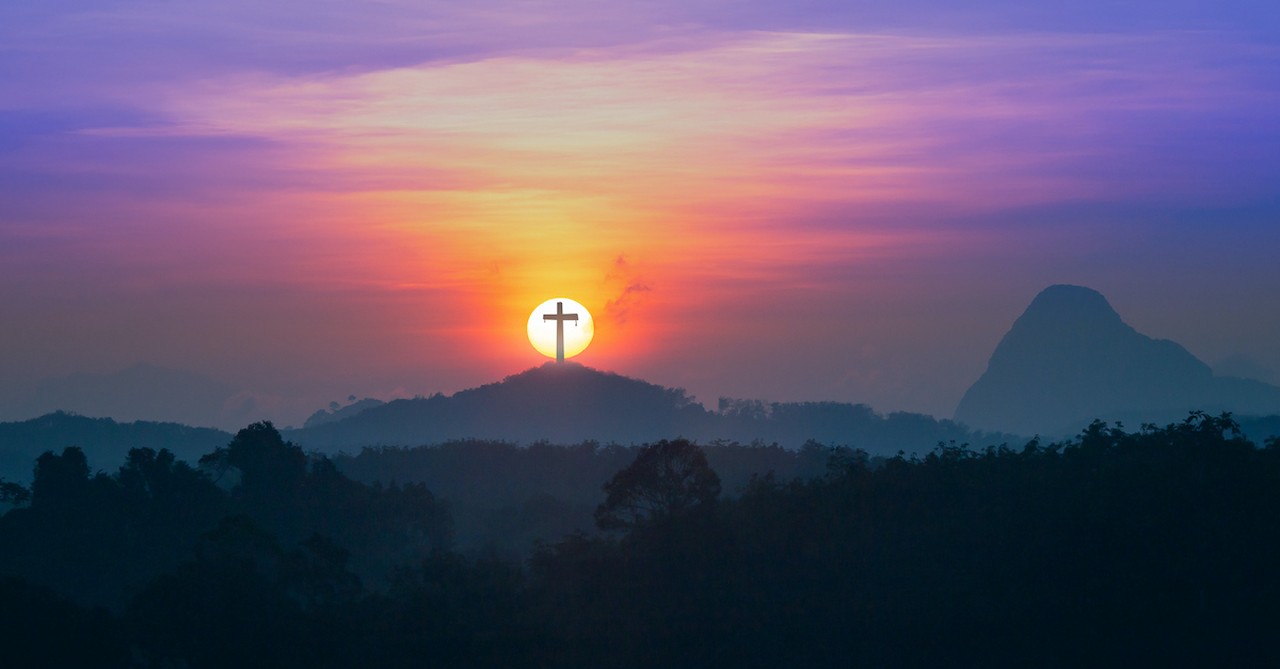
(1070, 359)
(141, 392)
(571, 403)
(104, 441)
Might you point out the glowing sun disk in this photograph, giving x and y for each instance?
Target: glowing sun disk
(577, 334)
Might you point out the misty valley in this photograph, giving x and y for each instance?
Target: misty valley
(1155, 546)
(570, 517)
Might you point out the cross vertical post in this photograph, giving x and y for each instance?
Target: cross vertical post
(560, 317)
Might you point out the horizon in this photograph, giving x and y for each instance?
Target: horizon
(813, 203)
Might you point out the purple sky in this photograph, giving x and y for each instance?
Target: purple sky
(789, 201)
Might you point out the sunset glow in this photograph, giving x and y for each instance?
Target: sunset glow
(781, 203)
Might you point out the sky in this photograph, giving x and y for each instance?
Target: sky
(814, 200)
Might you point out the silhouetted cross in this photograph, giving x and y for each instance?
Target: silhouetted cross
(560, 317)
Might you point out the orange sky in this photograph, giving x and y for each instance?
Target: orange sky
(372, 200)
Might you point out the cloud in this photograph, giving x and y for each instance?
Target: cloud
(618, 309)
(801, 156)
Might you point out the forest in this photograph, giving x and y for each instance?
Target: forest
(1151, 546)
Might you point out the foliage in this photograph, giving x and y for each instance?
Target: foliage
(13, 494)
(103, 537)
(105, 441)
(503, 497)
(669, 478)
(1155, 546)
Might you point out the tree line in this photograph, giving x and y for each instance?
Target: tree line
(1152, 546)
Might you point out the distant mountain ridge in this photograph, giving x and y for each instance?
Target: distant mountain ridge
(566, 404)
(1070, 359)
(105, 442)
(336, 412)
(141, 392)
(571, 403)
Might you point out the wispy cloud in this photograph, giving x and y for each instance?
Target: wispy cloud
(632, 289)
(740, 154)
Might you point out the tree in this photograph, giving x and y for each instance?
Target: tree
(13, 494)
(666, 479)
(60, 479)
(268, 465)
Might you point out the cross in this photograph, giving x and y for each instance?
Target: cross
(560, 317)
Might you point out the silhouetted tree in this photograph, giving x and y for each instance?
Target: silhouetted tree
(667, 478)
(268, 466)
(13, 494)
(60, 479)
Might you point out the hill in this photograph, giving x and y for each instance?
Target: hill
(566, 403)
(1070, 359)
(570, 403)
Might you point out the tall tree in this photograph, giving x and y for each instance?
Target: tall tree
(667, 478)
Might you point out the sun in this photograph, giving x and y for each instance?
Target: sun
(577, 333)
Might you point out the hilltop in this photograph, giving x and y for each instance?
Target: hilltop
(571, 403)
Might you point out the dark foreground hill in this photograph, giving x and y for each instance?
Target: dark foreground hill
(570, 403)
(1070, 359)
